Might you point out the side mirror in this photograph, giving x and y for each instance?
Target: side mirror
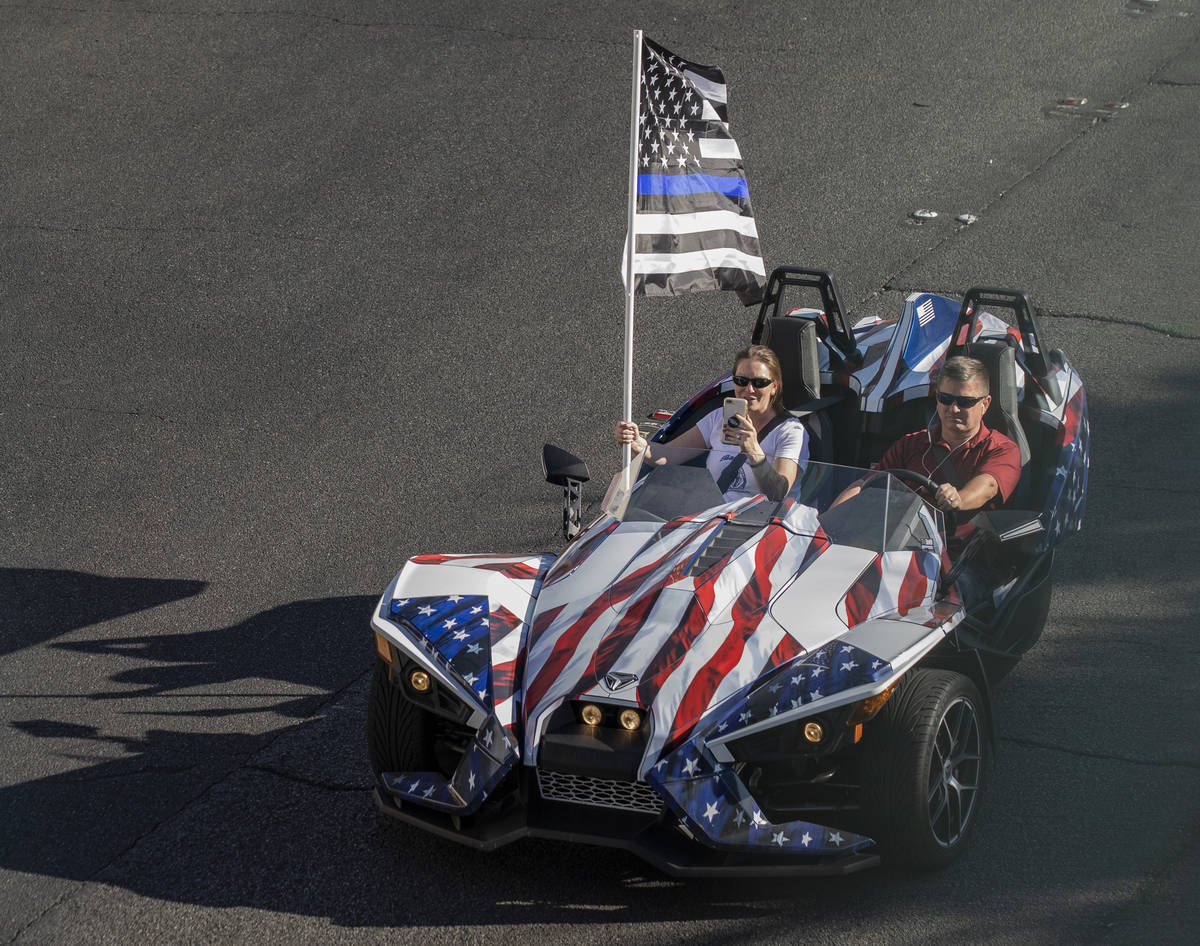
(568, 471)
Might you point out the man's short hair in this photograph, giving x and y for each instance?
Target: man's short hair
(963, 369)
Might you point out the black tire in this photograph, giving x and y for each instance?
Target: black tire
(399, 733)
(925, 758)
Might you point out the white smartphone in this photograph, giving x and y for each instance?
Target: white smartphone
(732, 406)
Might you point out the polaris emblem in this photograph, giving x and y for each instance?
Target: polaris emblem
(618, 681)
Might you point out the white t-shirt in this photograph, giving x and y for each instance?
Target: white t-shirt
(788, 441)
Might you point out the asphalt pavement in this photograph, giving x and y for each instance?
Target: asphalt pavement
(290, 292)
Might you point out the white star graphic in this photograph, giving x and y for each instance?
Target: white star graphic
(814, 695)
(413, 787)
(774, 710)
(426, 610)
(427, 792)
(690, 766)
(487, 738)
(847, 649)
(461, 635)
(739, 818)
(806, 839)
(723, 727)
(758, 819)
(471, 678)
(449, 624)
(477, 609)
(835, 839)
(742, 717)
(849, 665)
(778, 838)
(482, 694)
(471, 781)
(474, 649)
(400, 602)
(455, 598)
(711, 811)
(797, 679)
(874, 664)
(816, 670)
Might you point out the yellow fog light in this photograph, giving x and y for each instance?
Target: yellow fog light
(631, 719)
(419, 681)
(591, 715)
(813, 731)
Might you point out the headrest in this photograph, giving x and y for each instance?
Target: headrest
(794, 341)
(1001, 362)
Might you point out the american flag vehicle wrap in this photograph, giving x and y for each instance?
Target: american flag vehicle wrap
(714, 686)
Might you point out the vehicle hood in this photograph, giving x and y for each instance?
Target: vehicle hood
(650, 616)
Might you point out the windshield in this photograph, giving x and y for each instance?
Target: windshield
(879, 513)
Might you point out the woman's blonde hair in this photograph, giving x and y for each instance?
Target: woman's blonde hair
(771, 360)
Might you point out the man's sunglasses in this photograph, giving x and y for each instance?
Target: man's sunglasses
(961, 400)
(742, 381)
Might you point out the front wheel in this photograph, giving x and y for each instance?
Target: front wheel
(923, 768)
(399, 733)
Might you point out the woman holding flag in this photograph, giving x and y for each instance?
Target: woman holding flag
(766, 442)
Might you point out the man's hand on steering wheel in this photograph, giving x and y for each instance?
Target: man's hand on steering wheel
(947, 498)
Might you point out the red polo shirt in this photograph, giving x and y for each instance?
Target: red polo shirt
(989, 451)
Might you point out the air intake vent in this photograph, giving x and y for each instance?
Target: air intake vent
(602, 792)
(725, 540)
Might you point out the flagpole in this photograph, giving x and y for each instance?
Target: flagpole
(634, 113)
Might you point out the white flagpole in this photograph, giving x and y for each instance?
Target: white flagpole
(634, 113)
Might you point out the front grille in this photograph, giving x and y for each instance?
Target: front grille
(603, 792)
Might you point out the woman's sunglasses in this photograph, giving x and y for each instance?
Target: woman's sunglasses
(742, 381)
(961, 400)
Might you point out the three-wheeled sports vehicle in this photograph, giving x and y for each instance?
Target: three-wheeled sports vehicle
(746, 686)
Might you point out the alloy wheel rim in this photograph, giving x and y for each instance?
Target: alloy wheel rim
(955, 767)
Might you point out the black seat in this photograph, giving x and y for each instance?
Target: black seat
(1000, 360)
(794, 341)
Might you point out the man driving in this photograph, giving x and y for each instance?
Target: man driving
(976, 467)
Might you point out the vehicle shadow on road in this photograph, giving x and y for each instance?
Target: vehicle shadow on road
(40, 604)
(181, 712)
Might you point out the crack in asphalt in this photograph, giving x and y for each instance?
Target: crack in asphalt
(893, 282)
(1103, 756)
(1169, 329)
(363, 786)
